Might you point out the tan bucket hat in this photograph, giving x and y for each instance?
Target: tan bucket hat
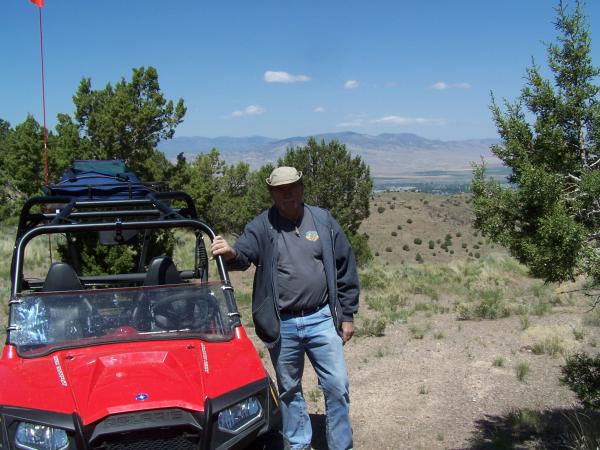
(283, 175)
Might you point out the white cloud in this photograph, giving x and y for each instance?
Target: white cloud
(442, 86)
(271, 76)
(251, 110)
(319, 109)
(400, 120)
(351, 124)
(360, 120)
(462, 85)
(351, 84)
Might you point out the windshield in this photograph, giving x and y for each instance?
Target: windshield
(42, 322)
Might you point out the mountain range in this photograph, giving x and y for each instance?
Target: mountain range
(387, 154)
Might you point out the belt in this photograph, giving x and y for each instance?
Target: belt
(302, 312)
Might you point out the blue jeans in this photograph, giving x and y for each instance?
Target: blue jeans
(316, 336)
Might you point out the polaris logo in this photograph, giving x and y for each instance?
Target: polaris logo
(141, 397)
(143, 418)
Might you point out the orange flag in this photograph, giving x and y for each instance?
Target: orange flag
(39, 3)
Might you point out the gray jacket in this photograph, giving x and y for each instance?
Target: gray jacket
(258, 245)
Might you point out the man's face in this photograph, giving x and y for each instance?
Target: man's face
(288, 199)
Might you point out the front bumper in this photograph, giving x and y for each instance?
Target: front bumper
(159, 429)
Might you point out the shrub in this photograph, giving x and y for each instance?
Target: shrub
(399, 227)
(419, 258)
(582, 374)
(388, 249)
(417, 241)
(492, 306)
(463, 245)
(405, 247)
(458, 234)
(380, 209)
(374, 278)
(392, 206)
(552, 346)
(498, 362)
(360, 245)
(522, 370)
(408, 220)
(394, 234)
(369, 327)
(431, 245)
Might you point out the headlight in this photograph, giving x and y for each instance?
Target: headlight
(31, 436)
(239, 415)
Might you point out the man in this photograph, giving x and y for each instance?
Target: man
(304, 299)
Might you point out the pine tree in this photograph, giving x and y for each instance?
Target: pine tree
(549, 215)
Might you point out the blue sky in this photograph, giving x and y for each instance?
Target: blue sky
(287, 68)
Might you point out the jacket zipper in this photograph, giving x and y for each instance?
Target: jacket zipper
(335, 298)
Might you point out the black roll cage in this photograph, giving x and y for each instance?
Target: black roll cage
(70, 214)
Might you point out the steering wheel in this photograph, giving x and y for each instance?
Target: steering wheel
(175, 313)
(183, 312)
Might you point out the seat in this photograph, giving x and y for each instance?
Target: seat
(68, 316)
(169, 314)
(162, 270)
(61, 277)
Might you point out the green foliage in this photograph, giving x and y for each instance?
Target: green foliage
(380, 209)
(96, 259)
(21, 174)
(581, 373)
(522, 370)
(549, 217)
(126, 121)
(360, 246)
(490, 305)
(371, 327)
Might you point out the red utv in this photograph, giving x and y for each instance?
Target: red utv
(150, 359)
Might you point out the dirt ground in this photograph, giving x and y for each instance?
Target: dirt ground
(444, 391)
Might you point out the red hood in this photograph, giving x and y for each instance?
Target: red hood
(101, 380)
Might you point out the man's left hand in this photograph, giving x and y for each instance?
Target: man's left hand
(347, 331)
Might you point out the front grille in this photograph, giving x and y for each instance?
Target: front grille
(156, 439)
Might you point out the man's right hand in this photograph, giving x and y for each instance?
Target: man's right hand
(219, 246)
